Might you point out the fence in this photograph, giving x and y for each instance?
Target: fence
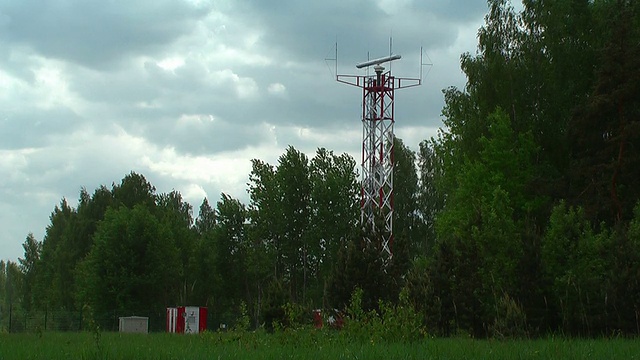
(18, 320)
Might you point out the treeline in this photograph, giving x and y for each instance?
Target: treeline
(519, 219)
(128, 248)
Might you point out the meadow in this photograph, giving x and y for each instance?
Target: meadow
(305, 344)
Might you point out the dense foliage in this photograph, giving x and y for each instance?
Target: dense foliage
(538, 170)
(521, 217)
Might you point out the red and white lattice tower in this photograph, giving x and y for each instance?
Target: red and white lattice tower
(378, 103)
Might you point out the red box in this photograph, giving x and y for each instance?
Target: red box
(186, 319)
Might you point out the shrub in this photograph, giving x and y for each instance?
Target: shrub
(390, 323)
(510, 320)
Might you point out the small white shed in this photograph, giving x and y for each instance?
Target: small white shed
(134, 324)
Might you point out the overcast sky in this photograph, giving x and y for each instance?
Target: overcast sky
(188, 92)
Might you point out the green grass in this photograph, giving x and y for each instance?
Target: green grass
(305, 344)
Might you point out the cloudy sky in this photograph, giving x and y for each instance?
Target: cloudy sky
(187, 92)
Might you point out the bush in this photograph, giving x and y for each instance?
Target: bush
(510, 321)
(390, 323)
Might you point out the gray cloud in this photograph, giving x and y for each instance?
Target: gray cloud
(188, 92)
(96, 33)
(29, 128)
(303, 30)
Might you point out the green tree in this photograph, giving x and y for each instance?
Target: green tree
(605, 130)
(69, 238)
(577, 268)
(206, 263)
(263, 262)
(263, 212)
(133, 263)
(134, 189)
(29, 268)
(206, 220)
(591, 272)
(359, 265)
(334, 210)
(230, 244)
(430, 199)
(482, 221)
(176, 216)
(408, 228)
(11, 279)
(624, 303)
(3, 284)
(301, 213)
(52, 286)
(298, 253)
(565, 74)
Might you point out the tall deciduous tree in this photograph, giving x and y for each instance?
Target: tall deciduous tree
(206, 263)
(430, 199)
(263, 212)
(11, 293)
(263, 263)
(134, 189)
(230, 244)
(334, 210)
(206, 220)
(176, 215)
(605, 131)
(483, 216)
(69, 238)
(408, 229)
(360, 264)
(297, 252)
(29, 268)
(301, 212)
(51, 283)
(133, 263)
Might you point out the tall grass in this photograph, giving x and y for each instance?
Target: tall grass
(301, 344)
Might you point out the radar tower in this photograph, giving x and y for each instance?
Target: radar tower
(378, 104)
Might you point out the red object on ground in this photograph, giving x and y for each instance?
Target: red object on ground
(317, 319)
(186, 319)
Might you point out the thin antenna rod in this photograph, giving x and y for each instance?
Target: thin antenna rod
(368, 59)
(336, 58)
(420, 63)
(390, 48)
(423, 64)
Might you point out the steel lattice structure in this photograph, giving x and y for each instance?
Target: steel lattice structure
(378, 103)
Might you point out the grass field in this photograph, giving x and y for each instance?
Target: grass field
(297, 345)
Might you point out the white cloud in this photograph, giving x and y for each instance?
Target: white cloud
(194, 193)
(413, 135)
(171, 63)
(277, 89)
(393, 7)
(244, 87)
(195, 119)
(14, 163)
